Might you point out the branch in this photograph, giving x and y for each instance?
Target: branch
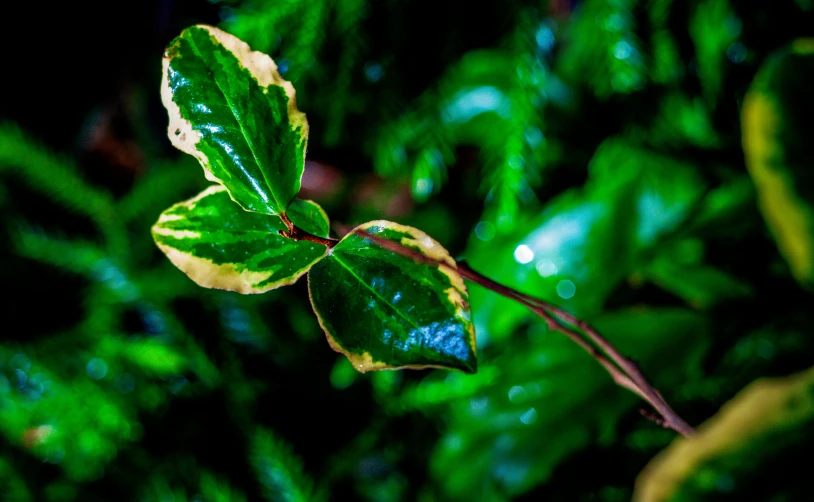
(298, 234)
(623, 370)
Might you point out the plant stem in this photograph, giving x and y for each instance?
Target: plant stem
(631, 377)
(298, 234)
(624, 371)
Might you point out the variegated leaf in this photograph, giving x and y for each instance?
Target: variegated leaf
(776, 125)
(231, 110)
(219, 245)
(385, 311)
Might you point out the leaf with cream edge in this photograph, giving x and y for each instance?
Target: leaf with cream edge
(230, 109)
(776, 125)
(219, 245)
(385, 311)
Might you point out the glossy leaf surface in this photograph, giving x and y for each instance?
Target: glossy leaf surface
(385, 311)
(219, 245)
(777, 135)
(769, 423)
(231, 110)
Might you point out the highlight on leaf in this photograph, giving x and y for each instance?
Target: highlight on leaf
(385, 311)
(219, 245)
(230, 109)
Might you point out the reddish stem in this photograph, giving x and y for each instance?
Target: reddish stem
(623, 370)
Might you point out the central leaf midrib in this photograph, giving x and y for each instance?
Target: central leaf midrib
(376, 293)
(195, 48)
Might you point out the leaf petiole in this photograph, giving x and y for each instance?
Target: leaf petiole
(296, 233)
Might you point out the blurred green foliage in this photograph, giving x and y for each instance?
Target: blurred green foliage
(767, 421)
(591, 153)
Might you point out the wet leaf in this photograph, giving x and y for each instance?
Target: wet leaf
(231, 110)
(385, 311)
(219, 245)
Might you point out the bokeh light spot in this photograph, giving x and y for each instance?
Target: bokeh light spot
(523, 254)
(96, 368)
(517, 394)
(736, 53)
(485, 231)
(546, 268)
(373, 71)
(529, 416)
(566, 289)
(622, 50)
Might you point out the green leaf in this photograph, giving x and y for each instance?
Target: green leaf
(547, 399)
(385, 311)
(714, 27)
(777, 134)
(230, 109)
(218, 245)
(152, 356)
(698, 284)
(750, 450)
(680, 120)
(585, 242)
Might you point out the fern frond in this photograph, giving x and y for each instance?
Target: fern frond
(610, 61)
(50, 174)
(280, 471)
(58, 178)
(297, 26)
(79, 257)
(214, 489)
(491, 99)
(297, 32)
(349, 15)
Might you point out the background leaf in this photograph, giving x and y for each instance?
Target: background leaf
(547, 398)
(776, 131)
(770, 421)
(585, 242)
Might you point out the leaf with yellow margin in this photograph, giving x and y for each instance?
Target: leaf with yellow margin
(777, 143)
(230, 109)
(756, 448)
(219, 245)
(385, 311)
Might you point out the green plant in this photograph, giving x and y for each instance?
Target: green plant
(387, 296)
(613, 158)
